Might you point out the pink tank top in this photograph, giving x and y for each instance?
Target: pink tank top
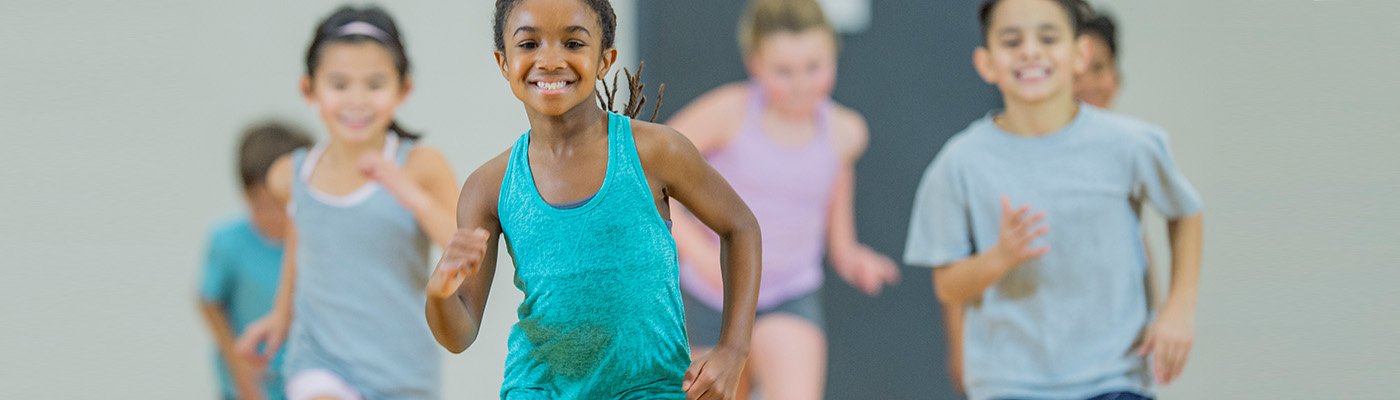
(788, 187)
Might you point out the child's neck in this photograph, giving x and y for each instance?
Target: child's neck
(1038, 118)
(569, 129)
(339, 152)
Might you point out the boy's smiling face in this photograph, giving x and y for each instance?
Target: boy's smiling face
(1032, 53)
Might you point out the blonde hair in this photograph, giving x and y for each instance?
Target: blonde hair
(765, 17)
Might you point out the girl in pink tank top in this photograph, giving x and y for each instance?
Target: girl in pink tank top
(789, 151)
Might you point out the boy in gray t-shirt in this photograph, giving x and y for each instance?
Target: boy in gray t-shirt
(1054, 312)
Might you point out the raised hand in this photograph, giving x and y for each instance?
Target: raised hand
(867, 270)
(1020, 228)
(268, 334)
(375, 167)
(461, 257)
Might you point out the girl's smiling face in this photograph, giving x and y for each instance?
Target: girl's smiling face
(356, 88)
(553, 54)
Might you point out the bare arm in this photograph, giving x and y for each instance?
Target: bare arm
(709, 122)
(271, 330)
(217, 319)
(841, 229)
(684, 175)
(247, 380)
(688, 178)
(1172, 335)
(952, 331)
(461, 282)
(425, 186)
(858, 264)
(1186, 235)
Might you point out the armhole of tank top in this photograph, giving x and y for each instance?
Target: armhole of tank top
(641, 177)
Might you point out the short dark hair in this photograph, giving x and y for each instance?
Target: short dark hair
(1102, 25)
(1076, 9)
(262, 144)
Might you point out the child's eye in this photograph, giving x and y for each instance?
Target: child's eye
(528, 45)
(1011, 43)
(575, 44)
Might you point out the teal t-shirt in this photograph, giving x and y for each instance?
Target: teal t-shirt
(241, 271)
(602, 316)
(1063, 325)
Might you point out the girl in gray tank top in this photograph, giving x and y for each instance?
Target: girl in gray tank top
(364, 205)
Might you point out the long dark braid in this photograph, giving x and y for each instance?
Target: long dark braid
(636, 99)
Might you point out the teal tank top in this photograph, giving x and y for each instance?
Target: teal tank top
(602, 316)
(362, 265)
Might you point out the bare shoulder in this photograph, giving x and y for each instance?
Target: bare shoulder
(710, 119)
(732, 96)
(425, 157)
(426, 164)
(849, 130)
(658, 142)
(484, 184)
(279, 178)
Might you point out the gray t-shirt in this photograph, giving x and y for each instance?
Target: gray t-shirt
(1063, 325)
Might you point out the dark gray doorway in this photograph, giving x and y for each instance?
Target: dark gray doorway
(911, 75)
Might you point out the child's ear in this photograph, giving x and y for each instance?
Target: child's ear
(1081, 54)
(306, 91)
(405, 87)
(609, 57)
(751, 65)
(501, 62)
(982, 61)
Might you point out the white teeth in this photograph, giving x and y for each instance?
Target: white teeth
(1034, 73)
(551, 85)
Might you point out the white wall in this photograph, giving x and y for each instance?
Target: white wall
(119, 121)
(1284, 115)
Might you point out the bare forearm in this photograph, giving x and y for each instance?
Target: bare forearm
(841, 230)
(454, 327)
(219, 327)
(741, 253)
(952, 325)
(1186, 235)
(965, 280)
(286, 286)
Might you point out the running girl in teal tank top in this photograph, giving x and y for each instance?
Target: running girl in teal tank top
(364, 206)
(581, 200)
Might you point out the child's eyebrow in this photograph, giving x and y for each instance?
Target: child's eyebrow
(577, 28)
(570, 29)
(1010, 30)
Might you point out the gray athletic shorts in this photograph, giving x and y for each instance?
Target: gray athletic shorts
(702, 323)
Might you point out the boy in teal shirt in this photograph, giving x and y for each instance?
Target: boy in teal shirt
(244, 261)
